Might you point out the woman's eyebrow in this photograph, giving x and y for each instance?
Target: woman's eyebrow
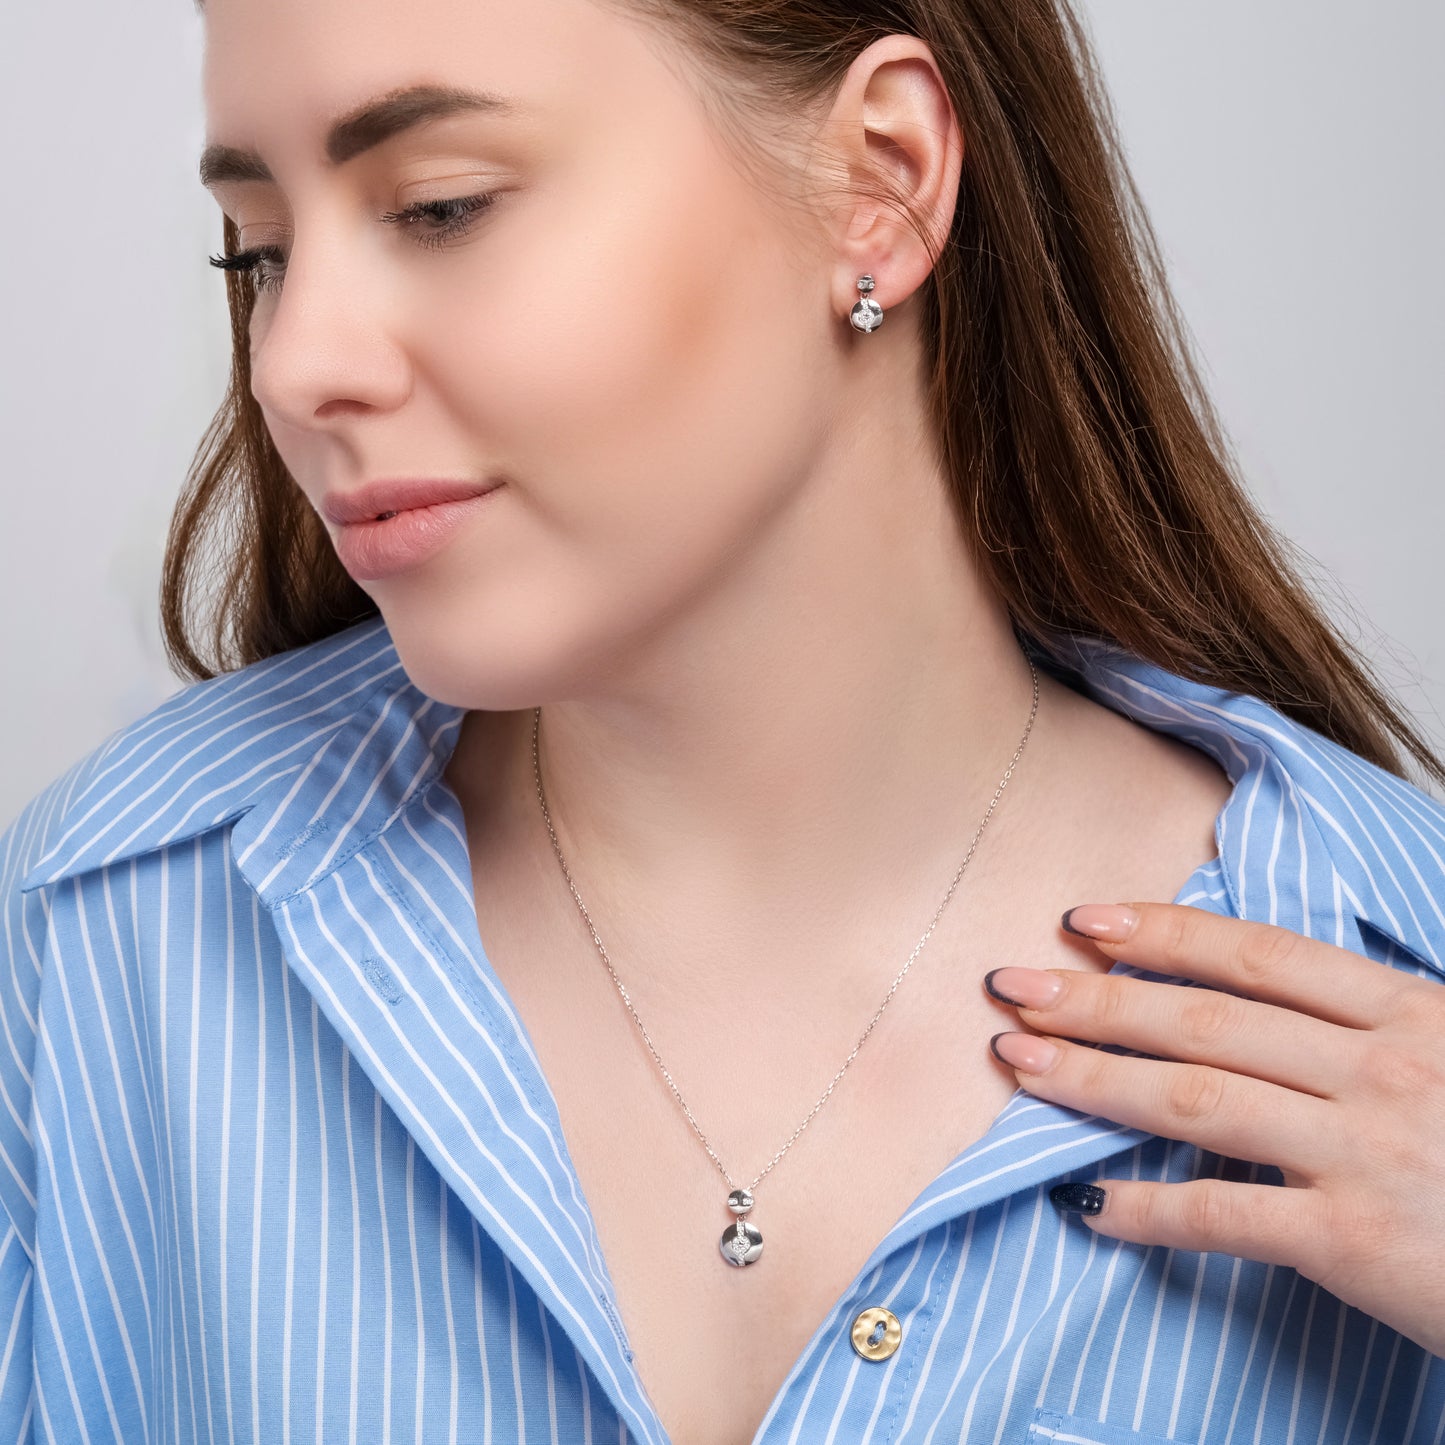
(362, 129)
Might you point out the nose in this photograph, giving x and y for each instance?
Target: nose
(321, 347)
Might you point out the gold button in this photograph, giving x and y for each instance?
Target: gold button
(877, 1333)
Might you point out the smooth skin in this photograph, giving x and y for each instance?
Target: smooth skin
(777, 691)
(1298, 1054)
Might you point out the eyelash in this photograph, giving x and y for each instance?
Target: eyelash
(454, 216)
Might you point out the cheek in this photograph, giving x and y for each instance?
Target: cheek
(652, 415)
(647, 362)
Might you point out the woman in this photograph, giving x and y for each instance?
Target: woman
(722, 463)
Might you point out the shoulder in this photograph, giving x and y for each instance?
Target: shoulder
(199, 759)
(1314, 836)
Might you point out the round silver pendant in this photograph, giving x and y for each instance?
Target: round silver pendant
(741, 1243)
(740, 1201)
(866, 315)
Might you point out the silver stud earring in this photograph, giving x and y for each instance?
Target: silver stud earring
(867, 314)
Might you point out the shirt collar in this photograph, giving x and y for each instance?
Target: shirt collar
(1312, 837)
(301, 751)
(314, 752)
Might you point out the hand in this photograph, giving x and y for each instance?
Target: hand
(1330, 1067)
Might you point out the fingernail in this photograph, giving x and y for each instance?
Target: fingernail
(1078, 1198)
(1109, 922)
(1028, 987)
(1025, 1052)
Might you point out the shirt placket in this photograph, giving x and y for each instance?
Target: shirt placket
(415, 1003)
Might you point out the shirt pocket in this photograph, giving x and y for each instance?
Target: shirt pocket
(1051, 1428)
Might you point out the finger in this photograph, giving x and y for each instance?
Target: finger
(1267, 963)
(1192, 1025)
(1229, 1114)
(1255, 1221)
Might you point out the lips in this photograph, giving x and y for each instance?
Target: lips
(386, 498)
(386, 528)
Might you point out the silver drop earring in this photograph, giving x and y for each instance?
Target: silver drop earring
(867, 314)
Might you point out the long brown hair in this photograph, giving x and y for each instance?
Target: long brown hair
(1086, 461)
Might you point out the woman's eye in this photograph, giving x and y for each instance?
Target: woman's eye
(433, 224)
(251, 262)
(437, 222)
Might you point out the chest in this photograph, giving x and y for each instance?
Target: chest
(714, 1343)
(752, 1037)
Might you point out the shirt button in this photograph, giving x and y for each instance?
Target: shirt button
(877, 1333)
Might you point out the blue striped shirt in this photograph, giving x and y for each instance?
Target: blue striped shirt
(278, 1160)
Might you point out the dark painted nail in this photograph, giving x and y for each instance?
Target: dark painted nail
(1077, 1198)
(993, 1047)
(992, 991)
(1068, 927)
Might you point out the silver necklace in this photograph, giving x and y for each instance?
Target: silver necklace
(741, 1242)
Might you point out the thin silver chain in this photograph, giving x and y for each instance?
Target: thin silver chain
(893, 988)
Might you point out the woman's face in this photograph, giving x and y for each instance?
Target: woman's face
(632, 338)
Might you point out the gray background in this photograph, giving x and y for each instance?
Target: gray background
(1290, 151)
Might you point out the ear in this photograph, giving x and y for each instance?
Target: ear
(892, 128)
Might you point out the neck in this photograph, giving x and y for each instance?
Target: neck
(823, 729)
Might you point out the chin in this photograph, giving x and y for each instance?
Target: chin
(489, 666)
